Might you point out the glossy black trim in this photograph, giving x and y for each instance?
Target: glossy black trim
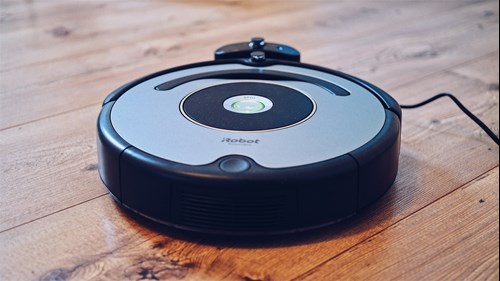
(313, 195)
(378, 161)
(109, 148)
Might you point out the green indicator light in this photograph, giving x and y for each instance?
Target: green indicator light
(248, 106)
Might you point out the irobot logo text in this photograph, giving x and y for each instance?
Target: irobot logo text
(240, 141)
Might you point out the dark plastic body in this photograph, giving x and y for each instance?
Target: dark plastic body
(259, 200)
(271, 50)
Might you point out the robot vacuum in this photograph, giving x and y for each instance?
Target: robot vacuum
(254, 142)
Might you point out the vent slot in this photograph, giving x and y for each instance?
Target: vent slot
(235, 211)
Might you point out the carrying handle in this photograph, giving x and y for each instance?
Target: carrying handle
(257, 50)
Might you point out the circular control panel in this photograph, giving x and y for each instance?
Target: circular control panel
(235, 107)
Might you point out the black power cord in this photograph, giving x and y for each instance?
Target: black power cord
(474, 118)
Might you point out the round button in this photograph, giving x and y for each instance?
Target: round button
(257, 42)
(234, 165)
(248, 104)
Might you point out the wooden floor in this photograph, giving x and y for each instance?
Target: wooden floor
(59, 59)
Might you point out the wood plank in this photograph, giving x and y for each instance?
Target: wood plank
(23, 17)
(425, 245)
(119, 23)
(433, 164)
(68, 84)
(481, 78)
(48, 166)
(110, 232)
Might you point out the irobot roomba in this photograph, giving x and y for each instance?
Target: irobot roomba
(253, 142)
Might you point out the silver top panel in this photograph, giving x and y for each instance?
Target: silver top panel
(151, 121)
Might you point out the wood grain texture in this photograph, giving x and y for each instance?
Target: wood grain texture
(426, 244)
(48, 165)
(345, 44)
(58, 59)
